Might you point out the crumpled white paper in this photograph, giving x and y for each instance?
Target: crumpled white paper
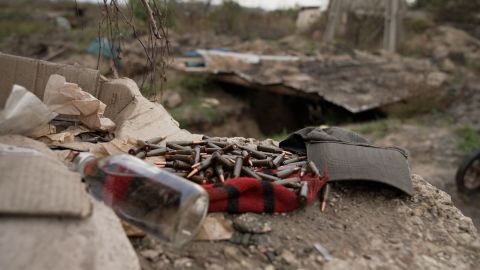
(23, 113)
(69, 99)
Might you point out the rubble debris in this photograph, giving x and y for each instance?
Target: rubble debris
(251, 223)
(323, 251)
(375, 79)
(215, 227)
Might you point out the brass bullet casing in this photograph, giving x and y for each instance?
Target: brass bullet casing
(269, 149)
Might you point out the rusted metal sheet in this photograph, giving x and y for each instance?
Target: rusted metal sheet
(357, 82)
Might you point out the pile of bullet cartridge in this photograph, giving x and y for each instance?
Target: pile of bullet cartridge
(213, 161)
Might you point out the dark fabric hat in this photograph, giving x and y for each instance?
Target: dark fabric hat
(348, 156)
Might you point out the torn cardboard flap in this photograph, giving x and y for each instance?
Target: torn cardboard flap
(35, 183)
(69, 99)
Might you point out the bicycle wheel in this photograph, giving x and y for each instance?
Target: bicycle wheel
(468, 174)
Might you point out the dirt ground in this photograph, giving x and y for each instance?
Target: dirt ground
(421, 232)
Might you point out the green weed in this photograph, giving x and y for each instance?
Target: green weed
(468, 139)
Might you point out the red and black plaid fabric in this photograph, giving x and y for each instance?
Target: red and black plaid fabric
(245, 194)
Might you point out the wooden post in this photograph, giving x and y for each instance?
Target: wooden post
(391, 25)
(335, 9)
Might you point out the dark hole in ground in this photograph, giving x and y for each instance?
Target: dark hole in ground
(277, 113)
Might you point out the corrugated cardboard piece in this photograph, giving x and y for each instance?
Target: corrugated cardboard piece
(56, 191)
(35, 183)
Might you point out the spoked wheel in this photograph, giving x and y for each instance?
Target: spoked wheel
(468, 174)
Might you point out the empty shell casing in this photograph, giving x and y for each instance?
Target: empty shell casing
(269, 149)
(238, 167)
(287, 172)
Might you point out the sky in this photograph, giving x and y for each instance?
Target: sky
(266, 4)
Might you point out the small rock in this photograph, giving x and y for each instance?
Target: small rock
(172, 99)
(210, 102)
(289, 257)
(251, 223)
(182, 263)
(436, 79)
(150, 254)
(231, 252)
(269, 267)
